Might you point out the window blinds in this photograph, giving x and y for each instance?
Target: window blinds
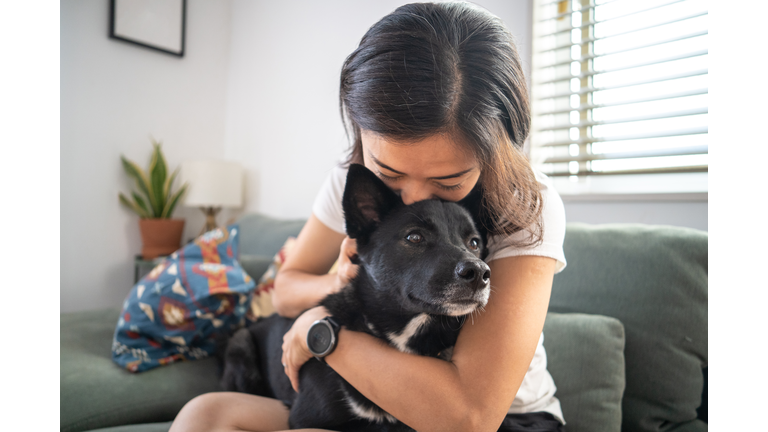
(619, 87)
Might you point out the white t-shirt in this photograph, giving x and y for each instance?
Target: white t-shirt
(537, 391)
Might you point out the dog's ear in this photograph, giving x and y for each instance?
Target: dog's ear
(367, 200)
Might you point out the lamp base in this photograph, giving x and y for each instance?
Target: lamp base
(210, 218)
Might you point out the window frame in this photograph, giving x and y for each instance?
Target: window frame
(686, 186)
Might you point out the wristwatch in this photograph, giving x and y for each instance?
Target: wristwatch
(322, 337)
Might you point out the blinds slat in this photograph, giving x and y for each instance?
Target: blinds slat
(677, 151)
(630, 84)
(618, 16)
(672, 170)
(550, 3)
(594, 39)
(679, 132)
(656, 116)
(584, 107)
(623, 50)
(592, 23)
(632, 66)
(582, 10)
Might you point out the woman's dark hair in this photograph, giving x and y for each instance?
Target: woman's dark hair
(449, 68)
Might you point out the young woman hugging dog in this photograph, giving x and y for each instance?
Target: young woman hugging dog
(435, 102)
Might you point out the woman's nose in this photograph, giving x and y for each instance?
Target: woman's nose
(410, 195)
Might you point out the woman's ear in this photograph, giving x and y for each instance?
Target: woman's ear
(367, 200)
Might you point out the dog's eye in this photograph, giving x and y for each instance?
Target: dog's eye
(414, 238)
(474, 244)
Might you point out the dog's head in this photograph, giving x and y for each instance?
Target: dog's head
(425, 256)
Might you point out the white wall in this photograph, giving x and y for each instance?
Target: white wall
(113, 97)
(283, 119)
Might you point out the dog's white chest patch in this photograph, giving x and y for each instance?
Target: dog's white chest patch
(374, 415)
(400, 340)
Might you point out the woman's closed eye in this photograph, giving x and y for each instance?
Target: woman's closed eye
(440, 185)
(449, 187)
(388, 178)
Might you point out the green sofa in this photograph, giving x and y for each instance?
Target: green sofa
(626, 337)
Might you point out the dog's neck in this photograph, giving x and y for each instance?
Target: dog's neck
(362, 304)
(362, 307)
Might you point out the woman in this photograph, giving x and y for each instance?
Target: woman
(436, 104)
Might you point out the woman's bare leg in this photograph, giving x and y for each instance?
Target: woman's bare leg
(229, 411)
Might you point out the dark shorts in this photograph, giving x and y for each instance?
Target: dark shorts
(531, 422)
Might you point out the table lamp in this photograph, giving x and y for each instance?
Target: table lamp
(213, 184)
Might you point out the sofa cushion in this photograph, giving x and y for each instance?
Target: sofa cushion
(585, 356)
(263, 236)
(175, 311)
(255, 265)
(96, 393)
(143, 427)
(654, 280)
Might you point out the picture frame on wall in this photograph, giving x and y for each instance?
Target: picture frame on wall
(159, 25)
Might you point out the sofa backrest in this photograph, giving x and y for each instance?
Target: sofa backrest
(654, 280)
(261, 238)
(263, 235)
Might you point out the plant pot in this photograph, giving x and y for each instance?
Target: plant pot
(160, 236)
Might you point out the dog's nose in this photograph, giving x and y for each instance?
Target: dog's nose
(473, 271)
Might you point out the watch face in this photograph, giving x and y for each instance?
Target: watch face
(319, 339)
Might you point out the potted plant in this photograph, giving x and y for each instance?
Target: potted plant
(154, 203)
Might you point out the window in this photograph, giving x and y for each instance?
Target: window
(620, 95)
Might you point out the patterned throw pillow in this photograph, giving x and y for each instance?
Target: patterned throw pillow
(175, 312)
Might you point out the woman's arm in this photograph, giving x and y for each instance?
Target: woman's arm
(303, 280)
(491, 357)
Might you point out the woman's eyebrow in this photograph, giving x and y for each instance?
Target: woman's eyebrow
(378, 162)
(450, 176)
(458, 174)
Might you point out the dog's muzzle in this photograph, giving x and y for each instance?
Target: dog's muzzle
(470, 289)
(476, 274)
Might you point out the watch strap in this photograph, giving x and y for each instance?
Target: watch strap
(334, 324)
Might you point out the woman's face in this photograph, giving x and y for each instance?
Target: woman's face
(435, 167)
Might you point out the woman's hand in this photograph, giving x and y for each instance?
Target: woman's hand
(346, 270)
(295, 350)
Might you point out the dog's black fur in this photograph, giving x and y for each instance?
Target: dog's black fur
(420, 267)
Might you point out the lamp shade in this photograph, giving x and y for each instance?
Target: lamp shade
(212, 183)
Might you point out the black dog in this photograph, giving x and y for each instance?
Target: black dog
(421, 273)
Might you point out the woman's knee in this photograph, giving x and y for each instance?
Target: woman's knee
(226, 411)
(206, 403)
(201, 413)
